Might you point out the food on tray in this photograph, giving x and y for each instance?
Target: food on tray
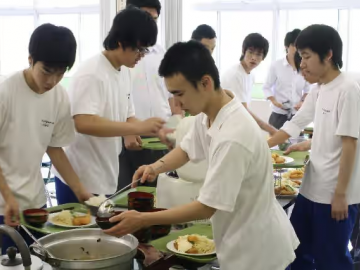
(285, 190)
(194, 244)
(293, 174)
(297, 182)
(71, 218)
(96, 200)
(277, 159)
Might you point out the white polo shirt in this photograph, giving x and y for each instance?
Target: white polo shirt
(251, 230)
(29, 123)
(335, 110)
(285, 84)
(150, 96)
(238, 81)
(97, 88)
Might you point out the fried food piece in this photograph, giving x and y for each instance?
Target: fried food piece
(82, 220)
(298, 182)
(274, 155)
(285, 190)
(176, 245)
(296, 174)
(192, 251)
(192, 238)
(280, 160)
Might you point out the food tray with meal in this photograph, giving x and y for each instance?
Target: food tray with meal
(293, 160)
(287, 186)
(60, 218)
(194, 244)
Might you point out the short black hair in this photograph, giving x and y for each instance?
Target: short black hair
(191, 59)
(203, 31)
(145, 4)
(321, 39)
(132, 27)
(257, 42)
(55, 46)
(291, 37)
(297, 61)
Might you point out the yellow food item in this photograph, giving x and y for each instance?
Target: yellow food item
(63, 218)
(82, 220)
(194, 244)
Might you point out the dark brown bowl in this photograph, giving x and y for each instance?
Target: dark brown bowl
(104, 222)
(158, 231)
(36, 217)
(140, 201)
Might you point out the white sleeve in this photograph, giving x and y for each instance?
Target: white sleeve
(191, 143)
(86, 96)
(229, 164)
(269, 83)
(304, 116)
(236, 85)
(349, 112)
(64, 129)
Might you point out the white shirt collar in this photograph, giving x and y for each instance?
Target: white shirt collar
(220, 118)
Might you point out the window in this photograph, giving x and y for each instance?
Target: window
(82, 17)
(291, 19)
(354, 42)
(193, 18)
(235, 26)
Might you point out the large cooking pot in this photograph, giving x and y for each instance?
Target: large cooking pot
(81, 249)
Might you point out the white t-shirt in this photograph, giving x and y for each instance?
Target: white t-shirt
(150, 96)
(335, 110)
(97, 88)
(238, 81)
(29, 123)
(249, 223)
(285, 84)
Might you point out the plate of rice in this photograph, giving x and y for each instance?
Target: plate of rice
(192, 245)
(69, 219)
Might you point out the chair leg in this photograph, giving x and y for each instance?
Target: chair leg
(48, 197)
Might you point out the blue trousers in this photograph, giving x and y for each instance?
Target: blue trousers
(6, 241)
(64, 194)
(323, 240)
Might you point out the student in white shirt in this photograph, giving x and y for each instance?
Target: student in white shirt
(247, 220)
(34, 119)
(101, 105)
(206, 35)
(326, 208)
(284, 86)
(151, 99)
(239, 80)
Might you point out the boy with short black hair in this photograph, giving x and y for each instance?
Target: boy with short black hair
(102, 107)
(239, 80)
(326, 208)
(34, 119)
(236, 195)
(206, 36)
(284, 86)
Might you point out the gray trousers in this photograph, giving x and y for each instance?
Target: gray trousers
(130, 161)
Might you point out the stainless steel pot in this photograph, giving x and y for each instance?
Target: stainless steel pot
(81, 249)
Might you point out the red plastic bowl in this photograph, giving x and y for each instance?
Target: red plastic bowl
(36, 217)
(140, 201)
(158, 231)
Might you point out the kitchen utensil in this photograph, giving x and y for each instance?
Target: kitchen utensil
(306, 160)
(140, 201)
(44, 250)
(88, 249)
(36, 217)
(20, 261)
(106, 209)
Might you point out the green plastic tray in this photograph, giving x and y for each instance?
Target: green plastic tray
(299, 158)
(153, 144)
(122, 200)
(49, 228)
(206, 230)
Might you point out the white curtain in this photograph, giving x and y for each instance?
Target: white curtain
(107, 14)
(172, 22)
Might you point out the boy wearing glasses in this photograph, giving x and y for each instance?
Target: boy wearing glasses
(239, 80)
(102, 108)
(151, 99)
